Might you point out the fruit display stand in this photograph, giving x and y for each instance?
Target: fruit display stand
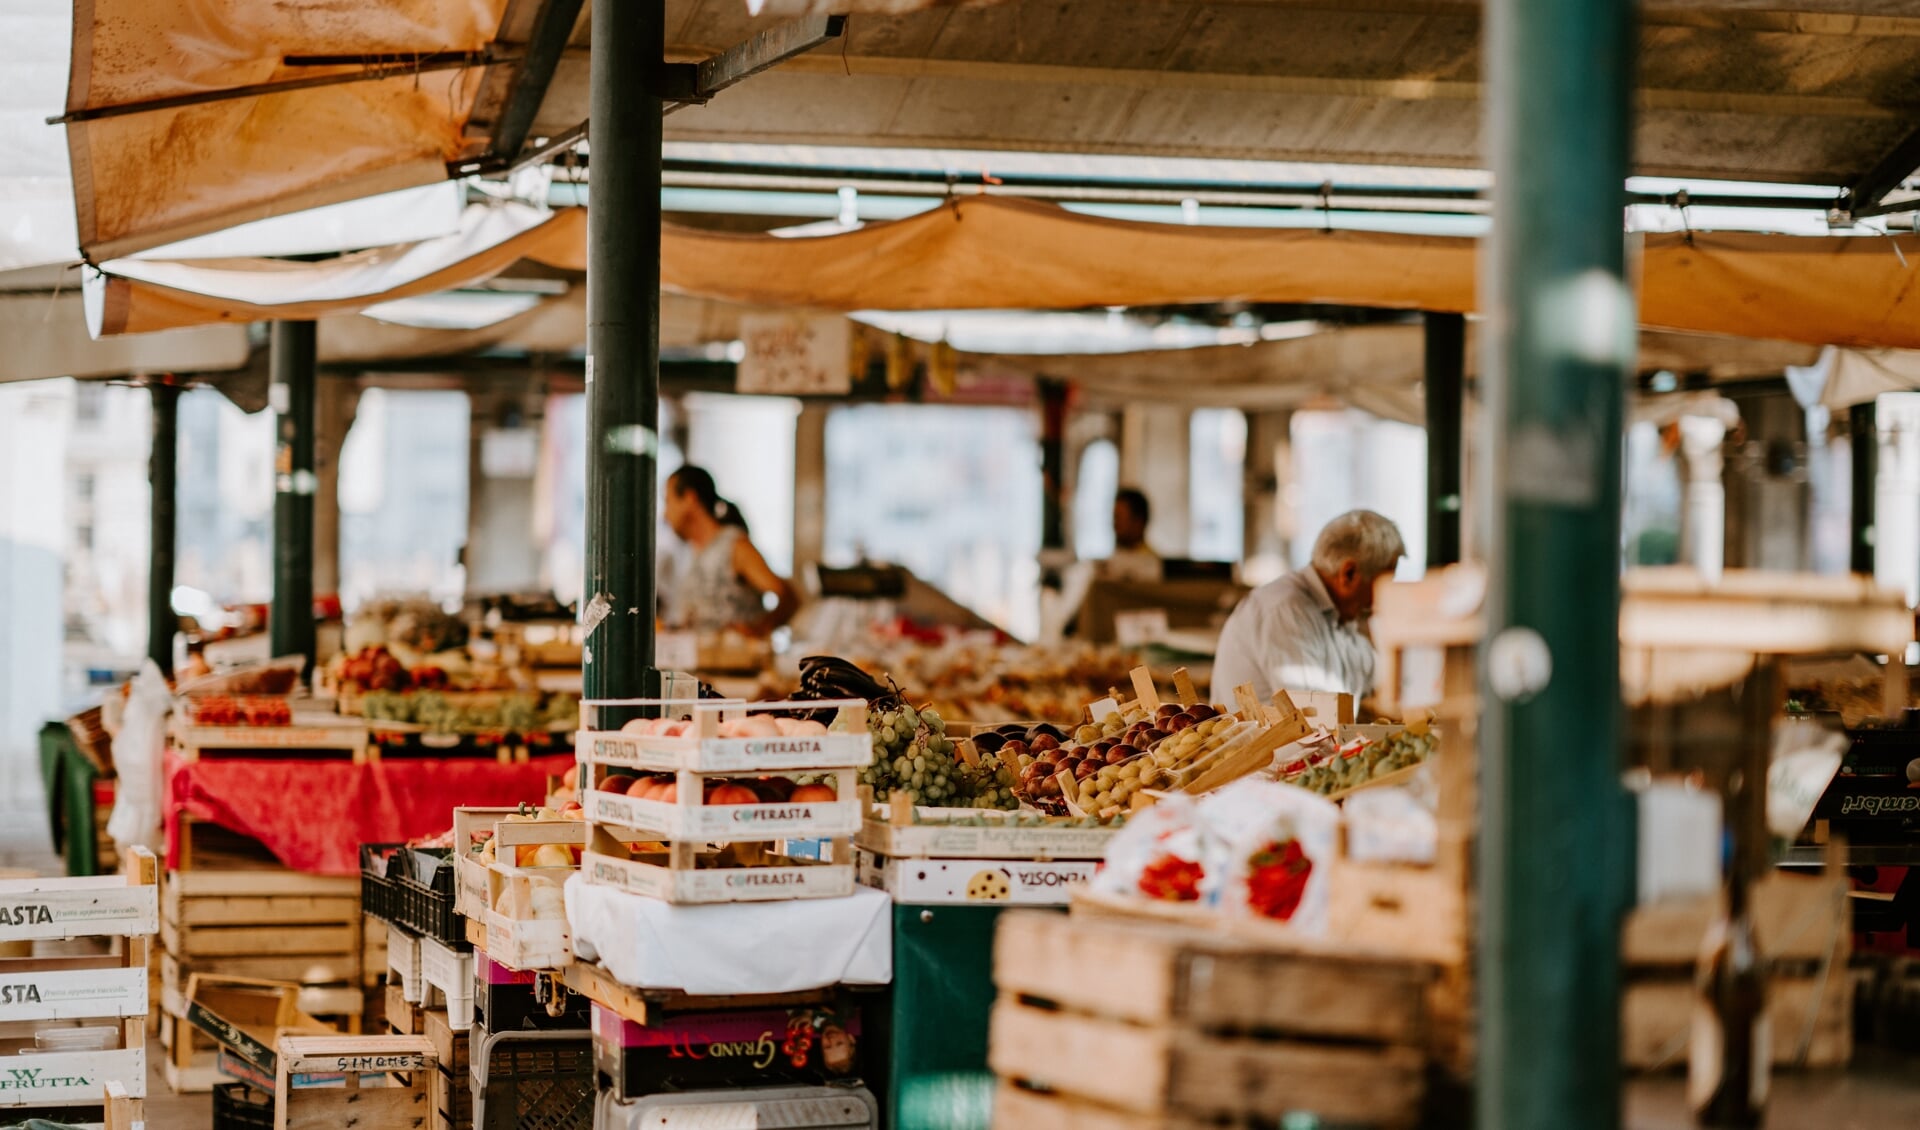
(308, 736)
(515, 913)
(77, 1017)
(266, 923)
(950, 873)
(1135, 1025)
(1702, 666)
(715, 844)
(1800, 922)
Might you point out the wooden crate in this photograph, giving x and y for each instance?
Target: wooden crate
(75, 949)
(261, 913)
(1802, 927)
(402, 1017)
(406, 1062)
(347, 741)
(1209, 1027)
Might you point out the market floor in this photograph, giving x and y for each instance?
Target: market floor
(1881, 1090)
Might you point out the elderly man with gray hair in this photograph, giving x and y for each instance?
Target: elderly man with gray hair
(1305, 630)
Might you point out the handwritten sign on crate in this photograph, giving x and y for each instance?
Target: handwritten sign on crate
(790, 354)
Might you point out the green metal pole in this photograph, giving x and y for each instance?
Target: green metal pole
(1863, 434)
(1445, 393)
(623, 346)
(292, 363)
(1555, 858)
(162, 465)
(1053, 462)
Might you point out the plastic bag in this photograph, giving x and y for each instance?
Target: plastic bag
(1156, 855)
(1265, 850)
(138, 750)
(1805, 758)
(1390, 825)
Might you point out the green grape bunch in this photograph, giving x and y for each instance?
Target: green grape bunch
(913, 755)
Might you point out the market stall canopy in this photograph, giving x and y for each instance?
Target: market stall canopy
(1378, 369)
(45, 336)
(1000, 253)
(185, 116)
(143, 295)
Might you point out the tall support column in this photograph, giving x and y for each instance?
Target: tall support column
(1896, 503)
(338, 398)
(1703, 519)
(1446, 390)
(1264, 537)
(1863, 440)
(162, 465)
(291, 359)
(1555, 863)
(809, 487)
(1053, 463)
(623, 346)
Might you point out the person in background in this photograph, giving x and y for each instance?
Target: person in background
(1307, 630)
(1133, 559)
(724, 579)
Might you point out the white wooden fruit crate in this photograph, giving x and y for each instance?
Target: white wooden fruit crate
(472, 877)
(92, 906)
(899, 830)
(704, 751)
(674, 875)
(688, 817)
(509, 930)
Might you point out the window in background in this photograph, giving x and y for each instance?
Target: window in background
(1347, 459)
(564, 451)
(105, 477)
(746, 442)
(225, 500)
(1093, 490)
(1217, 461)
(951, 493)
(403, 496)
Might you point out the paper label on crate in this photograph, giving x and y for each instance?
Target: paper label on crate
(1104, 708)
(786, 747)
(69, 1077)
(977, 880)
(82, 910)
(73, 994)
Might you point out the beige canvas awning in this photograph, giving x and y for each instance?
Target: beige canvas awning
(999, 253)
(167, 171)
(143, 295)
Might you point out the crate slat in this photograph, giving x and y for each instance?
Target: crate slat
(1176, 975)
(1177, 1070)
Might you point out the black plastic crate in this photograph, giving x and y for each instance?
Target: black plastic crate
(377, 881)
(237, 1106)
(423, 895)
(532, 1080)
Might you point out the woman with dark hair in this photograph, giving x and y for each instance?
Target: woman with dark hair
(726, 579)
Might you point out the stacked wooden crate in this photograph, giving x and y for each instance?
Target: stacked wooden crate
(73, 1007)
(1800, 923)
(1126, 1025)
(449, 1088)
(268, 923)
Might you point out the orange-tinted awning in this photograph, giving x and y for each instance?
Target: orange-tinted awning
(145, 178)
(999, 253)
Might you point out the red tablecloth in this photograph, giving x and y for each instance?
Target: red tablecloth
(314, 815)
